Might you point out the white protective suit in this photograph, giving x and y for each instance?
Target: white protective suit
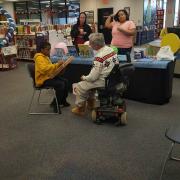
(103, 63)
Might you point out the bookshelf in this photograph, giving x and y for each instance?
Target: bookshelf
(159, 22)
(3, 29)
(26, 46)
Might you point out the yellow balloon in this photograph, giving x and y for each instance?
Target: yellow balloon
(163, 32)
(172, 40)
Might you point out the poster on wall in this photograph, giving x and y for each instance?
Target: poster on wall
(127, 10)
(90, 17)
(9, 50)
(149, 12)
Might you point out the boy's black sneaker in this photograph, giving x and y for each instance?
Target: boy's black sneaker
(66, 104)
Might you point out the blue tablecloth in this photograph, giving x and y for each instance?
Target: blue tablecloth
(177, 56)
(150, 83)
(82, 60)
(151, 63)
(140, 63)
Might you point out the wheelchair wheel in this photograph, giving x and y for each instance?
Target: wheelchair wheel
(124, 118)
(94, 115)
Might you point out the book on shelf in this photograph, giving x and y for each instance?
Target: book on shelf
(72, 51)
(59, 52)
(84, 50)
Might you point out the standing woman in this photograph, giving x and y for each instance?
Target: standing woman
(123, 31)
(80, 31)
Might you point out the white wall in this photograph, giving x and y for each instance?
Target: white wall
(179, 14)
(170, 13)
(8, 6)
(136, 7)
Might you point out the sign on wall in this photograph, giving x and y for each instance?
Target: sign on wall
(90, 17)
(10, 50)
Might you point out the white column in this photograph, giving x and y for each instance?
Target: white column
(170, 9)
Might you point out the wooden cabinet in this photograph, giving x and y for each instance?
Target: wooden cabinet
(159, 22)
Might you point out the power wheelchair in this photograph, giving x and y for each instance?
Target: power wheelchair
(109, 99)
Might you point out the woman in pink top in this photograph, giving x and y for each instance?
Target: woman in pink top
(123, 31)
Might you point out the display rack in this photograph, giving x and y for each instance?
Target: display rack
(26, 46)
(31, 21)
(159, 22)
(8, 51)
(144, 36)
(3, 29)
(8, 58)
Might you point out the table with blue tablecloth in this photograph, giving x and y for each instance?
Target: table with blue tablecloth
(151, 82)
(177, 65)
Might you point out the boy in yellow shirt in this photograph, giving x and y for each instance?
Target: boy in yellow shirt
(43, 71)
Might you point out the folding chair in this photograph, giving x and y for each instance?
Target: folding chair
(31, 70)
(173, 134)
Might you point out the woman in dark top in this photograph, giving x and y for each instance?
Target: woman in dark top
(81, 30)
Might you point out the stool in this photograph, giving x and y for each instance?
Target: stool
(173, 134)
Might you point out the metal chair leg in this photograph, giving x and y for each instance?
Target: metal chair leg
(39, 95)
(39, 98)
(38, 113)
(173, 157)
(169, 156)
(57, 105)
(30, 105)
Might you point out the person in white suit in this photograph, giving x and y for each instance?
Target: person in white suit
(104, 60)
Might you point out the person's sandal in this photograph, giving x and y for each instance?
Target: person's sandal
(78, 111)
